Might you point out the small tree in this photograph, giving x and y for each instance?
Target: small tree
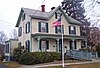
(17, 53)
(98, 49)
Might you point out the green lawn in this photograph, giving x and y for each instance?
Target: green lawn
(11, 64)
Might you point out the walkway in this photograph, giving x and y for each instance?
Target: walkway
(3, 66)
(38, 66)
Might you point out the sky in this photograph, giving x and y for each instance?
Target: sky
(10, 9)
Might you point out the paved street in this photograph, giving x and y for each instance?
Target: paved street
(2, 66)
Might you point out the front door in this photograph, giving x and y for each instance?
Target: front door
(43, 46)
(72, 45)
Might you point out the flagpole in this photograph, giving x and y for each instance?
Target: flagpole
(62, 47)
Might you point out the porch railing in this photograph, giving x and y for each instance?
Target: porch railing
(77, 54)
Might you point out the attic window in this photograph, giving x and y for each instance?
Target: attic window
(57, 15)
(23, 17)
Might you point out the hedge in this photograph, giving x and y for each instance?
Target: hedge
(38, 57)
(27, 59)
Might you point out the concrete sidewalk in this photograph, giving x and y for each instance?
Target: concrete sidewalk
(47, 65)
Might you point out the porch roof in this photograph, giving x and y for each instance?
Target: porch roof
(56, 36)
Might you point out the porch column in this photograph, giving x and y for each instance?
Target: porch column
(86, 43)
(73, 45)
(38, 43)
(57, 44)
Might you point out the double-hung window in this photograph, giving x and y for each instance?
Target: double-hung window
(20, 31)
(7, 48)
(43, 27)
(27, 46)
(57, 15)
(19, 44)
(23, 16)
(72, 30)
(59, 29)
(28, 27)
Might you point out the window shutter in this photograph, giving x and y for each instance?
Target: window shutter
(69, 30)
(28, 46)
(75, 45)
(28, 27)
(47, 46)
(55, 15)
(20, 31)
(23, 17)
(47, 27)
(63, 29)
(74, 30)
(39, 26)
(56, 29)
(71, 46)
(40, 45)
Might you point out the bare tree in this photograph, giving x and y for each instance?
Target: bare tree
(13, 34)
(92, 11)
(94, 37)
(3, 37)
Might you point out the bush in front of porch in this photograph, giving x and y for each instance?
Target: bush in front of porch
(38, 57)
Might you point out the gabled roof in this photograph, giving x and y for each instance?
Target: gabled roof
(37, 14)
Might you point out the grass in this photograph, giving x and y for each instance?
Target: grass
(16, 65)
(91, 65)
(11, 64)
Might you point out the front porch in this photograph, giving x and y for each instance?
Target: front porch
(53, 42)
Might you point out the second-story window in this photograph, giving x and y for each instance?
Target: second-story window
(59, 29)
(28, 27)
(20, 31)
(43, 27)
(72, 30)
(23, 17)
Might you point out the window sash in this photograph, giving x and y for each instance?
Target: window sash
(28, 45)
(28, 27)
(20, 31)
(59, 30)
(43, 27)
(72, 30)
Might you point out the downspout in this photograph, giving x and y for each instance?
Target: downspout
(30, 35)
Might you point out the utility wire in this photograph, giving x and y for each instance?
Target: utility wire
(33, 14)
(39, 7)
(6, 22)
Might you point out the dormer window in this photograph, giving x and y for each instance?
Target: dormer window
(23, 17)
(57, 15)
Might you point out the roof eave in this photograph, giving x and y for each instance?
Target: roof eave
(19, 18)
(40, 18)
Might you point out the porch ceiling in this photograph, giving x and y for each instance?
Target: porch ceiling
(56, 36)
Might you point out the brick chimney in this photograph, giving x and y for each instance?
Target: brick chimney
(43, 8)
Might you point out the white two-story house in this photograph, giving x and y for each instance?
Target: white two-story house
(37, 35)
